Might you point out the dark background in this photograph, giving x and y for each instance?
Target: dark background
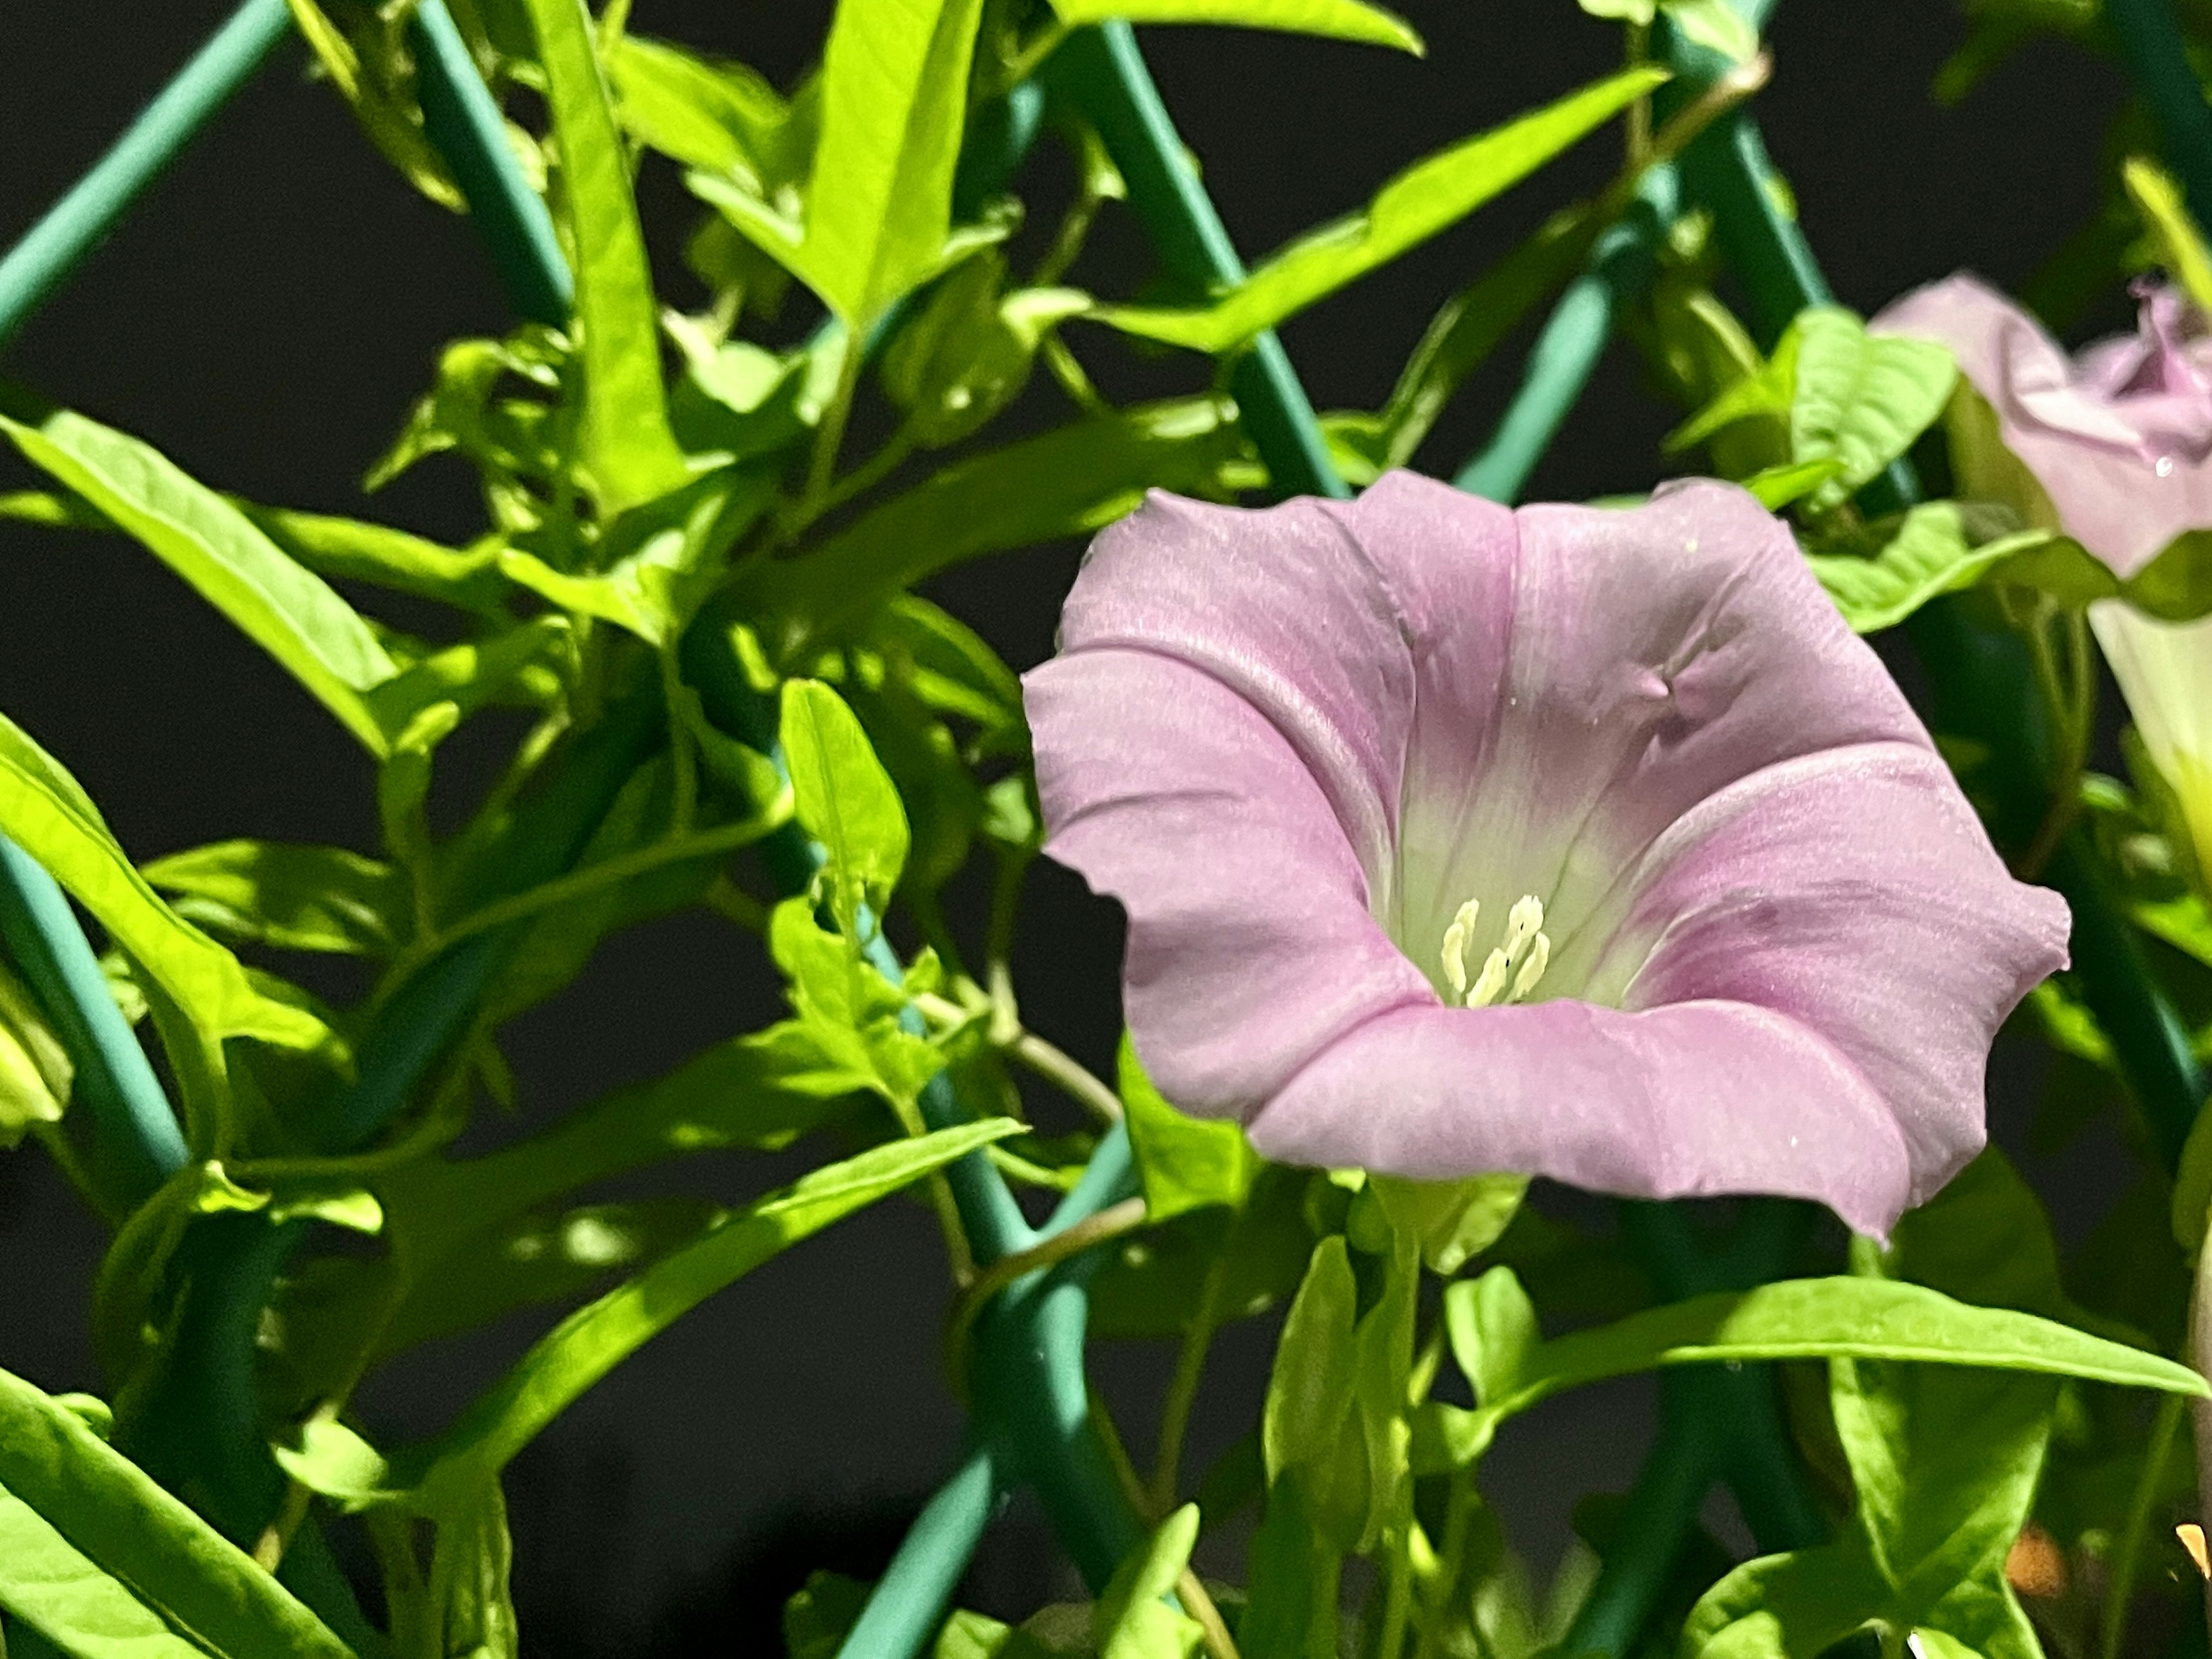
(267, 314)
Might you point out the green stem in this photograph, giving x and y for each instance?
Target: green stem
(1648, 1540)
(2157, 59)
(2127, 1559)
(80, 221)
(1103, 71)
(1182, 1396)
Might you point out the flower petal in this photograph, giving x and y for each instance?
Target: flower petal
(1622, 666)
(2125, 468)
(1855, 893)
(1695, 1099)
(1251, 945)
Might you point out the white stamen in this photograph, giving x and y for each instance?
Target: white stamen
(1491, 981)
(1455, 938)
(1509, 972)
(1521, 922)
(1540, 955)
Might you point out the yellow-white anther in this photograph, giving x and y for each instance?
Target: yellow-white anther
(1455, 938)
(1491, 980)
(1521, 922)
(1531, 969)
(1511, 971)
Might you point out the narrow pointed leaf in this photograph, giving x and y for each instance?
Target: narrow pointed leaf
(47, 813)
(1408, 210)
(630, 451)
(104, 1562)
(288, 611)
(1814, 1318)
(894, 99)
(586, 1345)
(1338, 20)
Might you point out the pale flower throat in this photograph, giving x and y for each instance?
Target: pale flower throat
(1519, 962)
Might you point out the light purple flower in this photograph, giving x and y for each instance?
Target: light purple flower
(2118, 441)
(1625, 776)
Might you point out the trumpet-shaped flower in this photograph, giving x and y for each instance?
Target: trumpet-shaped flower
(1581, 843)
(2114, 448)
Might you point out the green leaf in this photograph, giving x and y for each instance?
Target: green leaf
(1185, 1163)
(720, 117)
(2166, 216)
(297, 897)
(1811, 1318)
(1860, 399)
(350, 549)
(1944, 1463)
(35, 1074)
(665, 558)
(966, 354)
(44, 811)
(949, 667)
(1132, 1619)
(1777, 487)
(1070, 481)
(1715, 24)
(592, 1341)
(1450, 1222)
(1312, 1430)
(1469, 326)
(844, 798)
(1408, 210)
(106, 1564)
(1336, 20)
(1933, 549)
(1492, 1326)
(291, 613)
(630, 451)
(894, 100)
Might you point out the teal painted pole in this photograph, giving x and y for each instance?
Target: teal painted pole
(135, 1143)
(81, 219)
(1103, 71)
(1574, 337)
(910, 1600)
(464, 125)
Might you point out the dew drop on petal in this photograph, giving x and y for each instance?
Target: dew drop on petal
(2163, 467)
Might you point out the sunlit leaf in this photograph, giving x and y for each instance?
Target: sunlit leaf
(1066, 483)
(105, 1563)
(632, 453)
(43, 809)
(298, 897)
(1408, 210)
(291, 613)
(1341, 20)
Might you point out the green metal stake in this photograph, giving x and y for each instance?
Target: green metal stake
(81, 220)
(1574, 337)
(135, 1142)
(1103, 73)
(464, 125)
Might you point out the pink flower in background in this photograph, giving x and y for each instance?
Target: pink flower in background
(1584, 843)
(2114, 448)
(2118, 441)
